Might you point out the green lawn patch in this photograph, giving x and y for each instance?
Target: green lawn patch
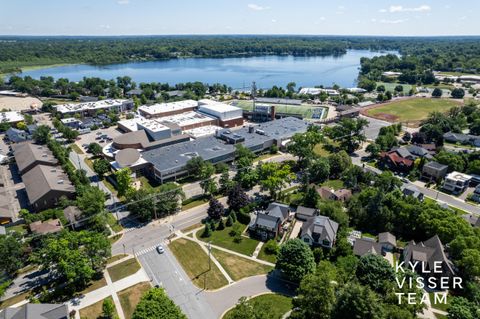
(391, 86)
(115, 238)
(274, 304)
(89, 163)
(113, 223)
(21, 229)
(239, 267)
(94, 285)
(192, 227)
(124, 269)
(76, 148)
(410, 111)
(336, 184)
(148, 183)
(307, 111)
(263, 255)
(195, 263)
(223, 239)
(438, 305)
(116, 258)
(191, 203)
(94, 311)
(130, 297)
(14, 300)
(264, 157)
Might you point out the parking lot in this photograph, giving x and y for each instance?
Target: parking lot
(95, 136)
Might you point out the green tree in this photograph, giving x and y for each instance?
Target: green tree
(194, 166)
(373, 149)
(375, 271)
(457, 93)
(339, 163)
(358, 300)
(349, 133)
(461, 308)
(101, 167)
(42, 134)
(437, 93)
(295, 260)
(95, 149)
(237, 198)
(215, 209)
(108, 309)
(302, 144)
(156, 304)
(124, 181)
(319, 170)
(11, 254)
(225, 182)
(274, 176)
(91, 200)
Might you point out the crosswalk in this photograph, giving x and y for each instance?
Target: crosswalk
(145, 251)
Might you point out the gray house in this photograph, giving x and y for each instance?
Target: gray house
(366, 246)
(268, 224)
(35, 311)
(305, 213)
(319, 231)
(412, 190)
(387, 240)
(433, 171)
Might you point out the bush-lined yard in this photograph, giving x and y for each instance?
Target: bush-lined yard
(224, 239)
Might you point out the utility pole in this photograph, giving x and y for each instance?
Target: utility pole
(155, 207)
(209, 247)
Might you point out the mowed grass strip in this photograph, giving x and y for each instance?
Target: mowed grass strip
(195, 263)
(94, 311)
(238, 267)
(412, 110)
(223, 239)
(263, 255)
(274, 304)
(130, 297)
(123, 269)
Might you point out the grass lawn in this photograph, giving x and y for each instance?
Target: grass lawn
(190, 228)
(391, 86)
(439, 316)
(274, 304)
(306, 111)
(147, 183)
(115, 258)
(195, 263)
(194, 203)
(94, 285)
(223, 239)
(239, 267)
(412, 110)
(264, 157)
(76, 148)
(113, 223)
(123, 269)
(14, 300)
(89, 163)
(439, 305)
(113, 239)
(262, 254)
(130, 297)
(336, 184)
(21, 229)
(94, 311)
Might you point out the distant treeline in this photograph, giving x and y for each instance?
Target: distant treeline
(16, 52)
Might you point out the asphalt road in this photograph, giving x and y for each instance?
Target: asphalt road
(165, 271)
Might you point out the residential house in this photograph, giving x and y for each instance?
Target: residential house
(73, 215)
(456, 182)
(327, 193)
(305, 213)
(6, 213)
(396, 160)
(417, 151)
(16, 136)
(28, 155)
(462, 138)
(35, 311)
(472, 219)
(426, 254)
(412, 190)
(268, 224)
(134, 92)
(47, 227)
(434, 171)
(476, 194)
(45, 185)
(387, 240)
(366, 246)
(319, 231)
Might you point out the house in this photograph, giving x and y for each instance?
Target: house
(268, 224)
(319, 231)
(418, 152)
(45, 185)
(134, 92)
(456, 182)
(462, 138)
(396, 161)
(472, 219)
(366, 246)
(412, 190)
(74, 216)
(426, 254)
(16, 136)
(36, 311)
(28, 155)
(387, 240)
(47, 227)
(327, 193)
(71, 122)
(305, 213)
(434, 171)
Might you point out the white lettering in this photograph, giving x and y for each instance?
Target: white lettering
(399, 294)
(439, 297)
(457, 283)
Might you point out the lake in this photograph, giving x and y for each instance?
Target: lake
(235, 72)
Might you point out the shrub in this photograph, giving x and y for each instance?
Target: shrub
(220, 225)
(243, 218)
(271, 247)
(207, 232)
(229, 220)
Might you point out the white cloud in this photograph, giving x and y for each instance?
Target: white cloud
(105, 26)
(422, 8)
(123, 1)
(256, 7)
(385, 21)
(382, 10)
(274, 20)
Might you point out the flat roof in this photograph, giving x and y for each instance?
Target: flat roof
(203, 131)
(160, 108)
(188, 118)
(96, 105)
(217, 106)
(10, 117)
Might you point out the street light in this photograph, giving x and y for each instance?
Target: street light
(209, 247)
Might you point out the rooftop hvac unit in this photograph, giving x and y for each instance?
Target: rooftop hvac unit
(60, 181)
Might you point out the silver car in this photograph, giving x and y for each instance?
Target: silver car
(160, 249)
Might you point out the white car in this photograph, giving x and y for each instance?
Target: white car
(160, 249)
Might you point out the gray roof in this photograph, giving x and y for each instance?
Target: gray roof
(458, 137)
(410, 190)
(72, 214)
(278, 210)
(42, 179)
(429, 251)
(16, 135)
(418, 151)
(387, 238)
(27, 154)
(35, 311)
(366, 246)
(306, 211)
(436, 166)
(320, 228)
(266, 221)
(403, 152)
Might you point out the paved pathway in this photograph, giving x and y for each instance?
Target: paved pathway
(114, 295)
(257, 249)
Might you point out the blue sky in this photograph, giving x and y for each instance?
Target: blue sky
(142, 17)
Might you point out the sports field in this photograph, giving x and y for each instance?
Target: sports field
(391, 86)
(306, 111)
(410, 111)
